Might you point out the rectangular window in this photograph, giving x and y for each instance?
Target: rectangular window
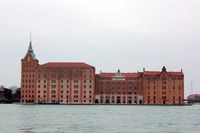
(164, 87)
(164, 82)
(75, 81)
(75, 92)
(174, 88)
(164, 93)
(75, 86)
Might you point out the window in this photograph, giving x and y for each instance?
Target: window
(53, 81)
(164, 82)
(75, 86)
(75, 81)
(53, 86)
(53, 92)
(164, 93)
(75, 96)
(173, 87)
(164, 87)
(179, 87)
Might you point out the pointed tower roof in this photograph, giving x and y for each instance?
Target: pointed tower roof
(30, 49)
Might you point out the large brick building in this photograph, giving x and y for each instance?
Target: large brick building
(76, 83)
(147, 87)
(56, 82)
(118, 88)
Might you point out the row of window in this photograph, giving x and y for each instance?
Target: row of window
(164, 82)
(75, 91)
(164, 87)
(117, 83)
(75, 81)
(163, 97)
(119, 93)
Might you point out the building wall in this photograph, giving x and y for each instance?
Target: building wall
(65, 85)
(160, 87)
(28, 79)
(117, 91)
(163, 89)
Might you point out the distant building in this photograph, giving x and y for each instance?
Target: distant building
(5, 95)
(194, 97)
(76, 83)
(56, 82)
(2, 94)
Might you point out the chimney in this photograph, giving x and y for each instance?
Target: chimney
(143, 69)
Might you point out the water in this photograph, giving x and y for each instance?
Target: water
(98, 118)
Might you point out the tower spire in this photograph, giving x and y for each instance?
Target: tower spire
(30, 48)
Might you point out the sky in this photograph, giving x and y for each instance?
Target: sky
(108, 34)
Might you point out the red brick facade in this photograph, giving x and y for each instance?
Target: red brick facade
(76, 83)
(148, 87)
(56, 82)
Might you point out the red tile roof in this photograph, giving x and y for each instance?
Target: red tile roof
(194, 95)
(67, 64)
(176, 73)
(110, 75)
(154, 73)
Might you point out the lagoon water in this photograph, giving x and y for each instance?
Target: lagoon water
(16, 118)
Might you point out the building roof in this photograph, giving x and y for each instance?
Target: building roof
(30, 50)
(194, 95)
(155, 73)
(67, 65)
(110, 75)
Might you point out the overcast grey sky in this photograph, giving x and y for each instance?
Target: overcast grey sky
(109, 34)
